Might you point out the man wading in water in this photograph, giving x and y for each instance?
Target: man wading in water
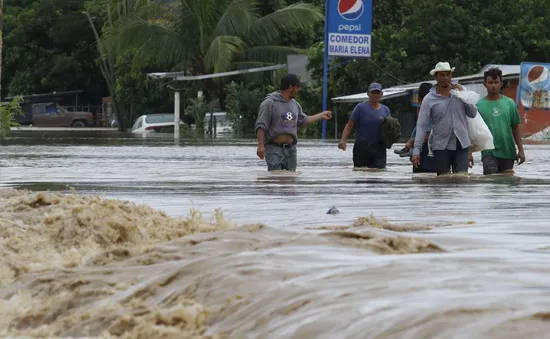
(501, 116)
(450, 139)
(427, 164)
(368, 116)
(278, 120)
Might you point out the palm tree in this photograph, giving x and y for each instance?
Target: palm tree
(209, 36)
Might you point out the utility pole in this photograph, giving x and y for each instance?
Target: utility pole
(107, 67)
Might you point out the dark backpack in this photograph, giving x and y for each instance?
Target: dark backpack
(390, 132)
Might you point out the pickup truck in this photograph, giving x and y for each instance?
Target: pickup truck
(51, 115)
(63, 118)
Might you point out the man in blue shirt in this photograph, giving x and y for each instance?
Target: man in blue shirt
(367, 117)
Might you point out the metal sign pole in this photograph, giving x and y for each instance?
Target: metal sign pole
(348, 32)
(325, 70)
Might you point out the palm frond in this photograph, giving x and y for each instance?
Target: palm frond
(198, 19)
(123, 8)
(272, 27)
(153, 40)
(222, 52)
(237, 18)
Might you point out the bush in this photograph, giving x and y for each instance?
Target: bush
(310, 98)
(8, 112)
(242, 105)
(198, 108)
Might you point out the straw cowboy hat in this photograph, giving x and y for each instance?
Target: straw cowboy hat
(442, 67)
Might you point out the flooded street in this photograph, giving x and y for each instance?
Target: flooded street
(462, 257)
(226, 174)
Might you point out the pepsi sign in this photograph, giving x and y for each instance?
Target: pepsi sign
(350, 9)
(349, 25)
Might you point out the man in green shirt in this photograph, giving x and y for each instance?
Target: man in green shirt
(502, 117)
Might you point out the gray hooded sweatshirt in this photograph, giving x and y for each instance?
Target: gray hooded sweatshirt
(277, 116)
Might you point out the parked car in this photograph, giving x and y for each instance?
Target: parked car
(157, 122)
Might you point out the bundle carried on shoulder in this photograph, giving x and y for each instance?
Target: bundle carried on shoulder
(390, 132)
(480, 135)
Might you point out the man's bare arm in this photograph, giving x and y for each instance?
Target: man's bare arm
(517, 137)
(347, 131)
(314, 118)
(260, 136)
(261, 147)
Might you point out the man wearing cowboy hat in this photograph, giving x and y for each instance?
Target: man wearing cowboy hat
(448, 114)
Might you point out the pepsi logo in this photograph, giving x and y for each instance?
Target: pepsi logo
(350, 9)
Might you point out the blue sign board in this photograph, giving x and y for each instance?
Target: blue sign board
(349, 28)
(415, 100)
(534, 86)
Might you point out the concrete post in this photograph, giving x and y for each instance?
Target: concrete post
(177, 115)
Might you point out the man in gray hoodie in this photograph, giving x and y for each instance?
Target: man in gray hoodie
(279, 117)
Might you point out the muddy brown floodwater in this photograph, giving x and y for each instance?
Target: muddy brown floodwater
(108, 235)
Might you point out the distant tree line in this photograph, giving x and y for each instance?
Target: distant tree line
(49, 45)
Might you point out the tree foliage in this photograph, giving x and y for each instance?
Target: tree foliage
(8, 112)
(242, 104)
(197, 108)
(210, 36)
(411, 36)
(137, 92)
(48, 47)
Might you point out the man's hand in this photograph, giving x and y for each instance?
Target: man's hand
(260, 151)
(470, 160)
(457, 86)
(416, 160)
(409, 144)
(342, 145)
(326, 115)
(521, 157)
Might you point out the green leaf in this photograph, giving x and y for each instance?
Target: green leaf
(222, 52)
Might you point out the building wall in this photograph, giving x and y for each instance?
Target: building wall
(407, 122)
(532, 120)
(478, 88)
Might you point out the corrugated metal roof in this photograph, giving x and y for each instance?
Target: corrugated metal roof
(508, 72)
(48, 95)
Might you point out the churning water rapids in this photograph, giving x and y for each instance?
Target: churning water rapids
(107, 235)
